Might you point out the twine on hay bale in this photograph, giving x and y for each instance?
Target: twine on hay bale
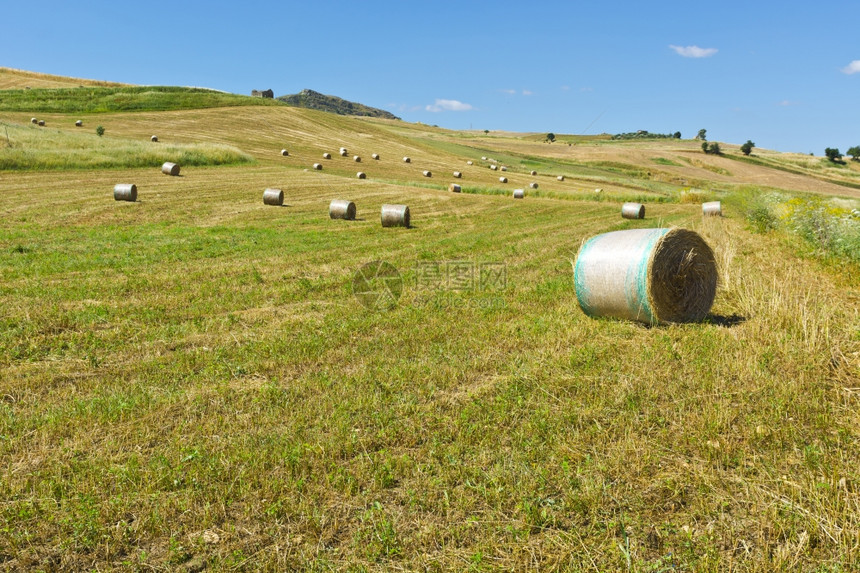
(407, 160)
(284, 152)
(560, 178)
(326, 155)
(503, 179)
(647, 275)
(457, 174)
(125, 192)
(273, 197)
(534, 172)
(374, 156)
(318, 166)
(712, 209)
(170, 168)
(519, 193)
(533, 185)
(395, 216)
(356, 158)
(633, 211)
(154, 138)
(361, 175)
(454, 188)
(342, 209)
(427, 174)
(79, 123)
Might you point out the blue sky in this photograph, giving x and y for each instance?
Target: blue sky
(784, 74)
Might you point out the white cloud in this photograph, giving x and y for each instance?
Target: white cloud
(852, 68)
(528, 92)
(448, 105)
(786, 103)
(694, 51)
(586, 89)
(509, 92)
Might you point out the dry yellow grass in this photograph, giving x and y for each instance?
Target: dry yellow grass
(12, 79)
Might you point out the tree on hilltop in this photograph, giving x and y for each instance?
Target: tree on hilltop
(747, 147)
(833, 154)
(701, 135)
(550, 137)
(677, 135)
(854, 152)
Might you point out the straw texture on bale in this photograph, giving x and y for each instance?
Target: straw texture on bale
(454, 188)
(284, 152)
(457, 174)
(533, 185)
(79, 123)
(560, 177)
(375, 156)
(633, 211)
(326, 155)
(519, 193)
(273, 197)
(712, 209)
(170, 168)
(647, 275)
(395, 216)
(406, 160)
(317, 166)
(342, 209)
(125, 192)
(154, 138)
(356, 158)
(427, 174)
(42, 122)
(361, 175)
(503, 179)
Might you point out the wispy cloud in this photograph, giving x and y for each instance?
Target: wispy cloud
(852, 68)
(786, 103)
(586, 89)
(509, 92)
(694, 51)
(448, 105)
(528, 92)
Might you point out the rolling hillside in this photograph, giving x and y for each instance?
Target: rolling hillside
(187, 382)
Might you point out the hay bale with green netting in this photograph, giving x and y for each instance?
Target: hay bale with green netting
(125, 192)
(633, 211)
(342, 209)
(647, 275)
(273, 197)
(395, 216)
(170, 168)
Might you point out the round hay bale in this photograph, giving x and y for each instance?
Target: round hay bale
(534, 172)
(375, 156)
(79, 123)
(427, 174)
(342, 209)
(154, 138)
(395, 216)
(598, 191)
(170, 168)
(483, 158)
(361, 175)
(284, 152)
(317, 166)
(273, 197)
(503, 168)
(533, 185)
(343, 152)
(712, 209)
(493, 167)
(519, 193)
(125, 192)
(648, 275)
(407, 160)
(326, 155)
(33, 120)
(469, 163)
(458, 175)
(454, 188)
(356, 158)
(560, 178)
(503, 179)
(42, 123)
(633, 211)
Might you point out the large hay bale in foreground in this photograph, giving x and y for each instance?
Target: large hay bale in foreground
(519, 193)
(125, 192)
(633, 211)
(712, 209)
(170, 168)
(647, 275)
(454, 188)
(273, 197)
(342, 209)
(395, 216)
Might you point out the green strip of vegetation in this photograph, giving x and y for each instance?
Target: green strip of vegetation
(137, 98)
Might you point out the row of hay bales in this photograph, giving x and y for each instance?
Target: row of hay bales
(41, 122)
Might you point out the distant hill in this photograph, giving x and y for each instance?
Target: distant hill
(315, 100)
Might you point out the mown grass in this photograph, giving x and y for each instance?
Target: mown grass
(26, 147)
(116, 99)
(187, 382)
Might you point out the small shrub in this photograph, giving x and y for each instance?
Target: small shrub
(100, 131)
